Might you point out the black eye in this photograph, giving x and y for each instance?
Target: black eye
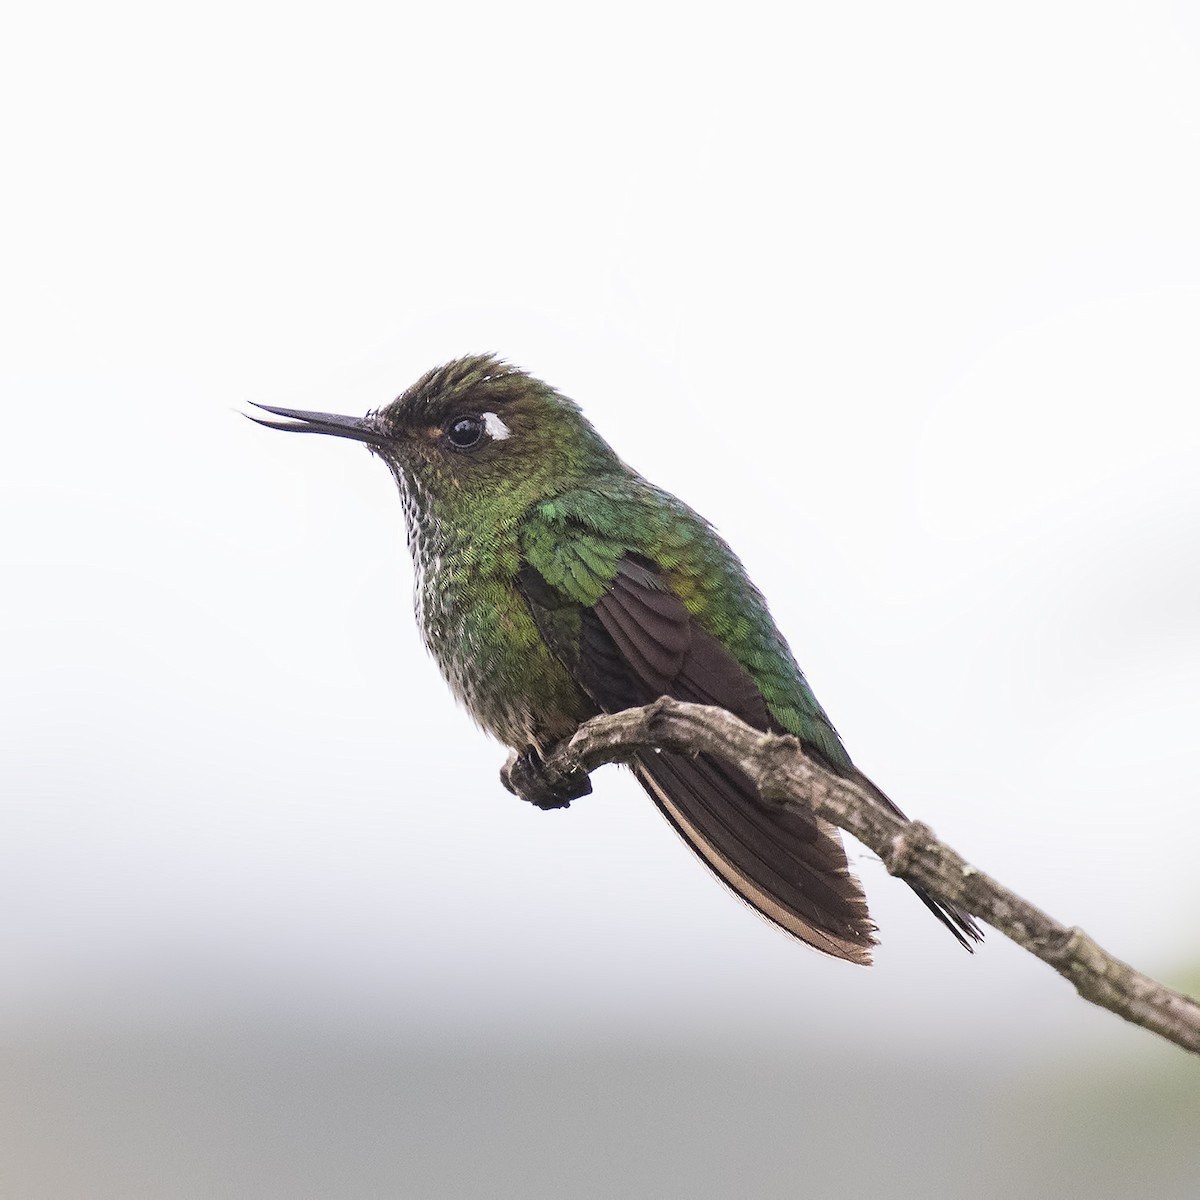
(465, 433)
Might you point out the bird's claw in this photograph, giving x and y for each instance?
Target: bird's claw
(524, 775)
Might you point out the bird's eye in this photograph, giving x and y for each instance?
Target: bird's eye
(466, 433)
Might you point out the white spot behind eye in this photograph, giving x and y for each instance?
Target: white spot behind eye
(497, 430)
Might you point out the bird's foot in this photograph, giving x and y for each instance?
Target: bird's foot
(525, 775)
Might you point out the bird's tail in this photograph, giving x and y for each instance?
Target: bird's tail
(788, 865)
(961, 924)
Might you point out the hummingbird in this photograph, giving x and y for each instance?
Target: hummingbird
(553, 583)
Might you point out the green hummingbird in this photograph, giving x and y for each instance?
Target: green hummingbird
(554, 583)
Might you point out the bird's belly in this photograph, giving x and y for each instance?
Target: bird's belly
(487, 646)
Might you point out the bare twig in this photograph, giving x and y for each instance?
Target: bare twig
(909, 849)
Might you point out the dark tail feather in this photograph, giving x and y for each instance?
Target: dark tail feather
(961, 924)
(789, 866)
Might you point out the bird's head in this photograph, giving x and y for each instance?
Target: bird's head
(473, 437)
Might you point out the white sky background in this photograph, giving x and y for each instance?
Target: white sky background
(904, 298)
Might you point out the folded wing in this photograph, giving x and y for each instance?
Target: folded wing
(639, 642)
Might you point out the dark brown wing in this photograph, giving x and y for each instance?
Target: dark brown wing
(638, 643)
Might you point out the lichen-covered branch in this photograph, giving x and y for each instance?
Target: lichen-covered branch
(909, 849)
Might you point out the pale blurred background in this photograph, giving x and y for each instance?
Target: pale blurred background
(905, 298)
